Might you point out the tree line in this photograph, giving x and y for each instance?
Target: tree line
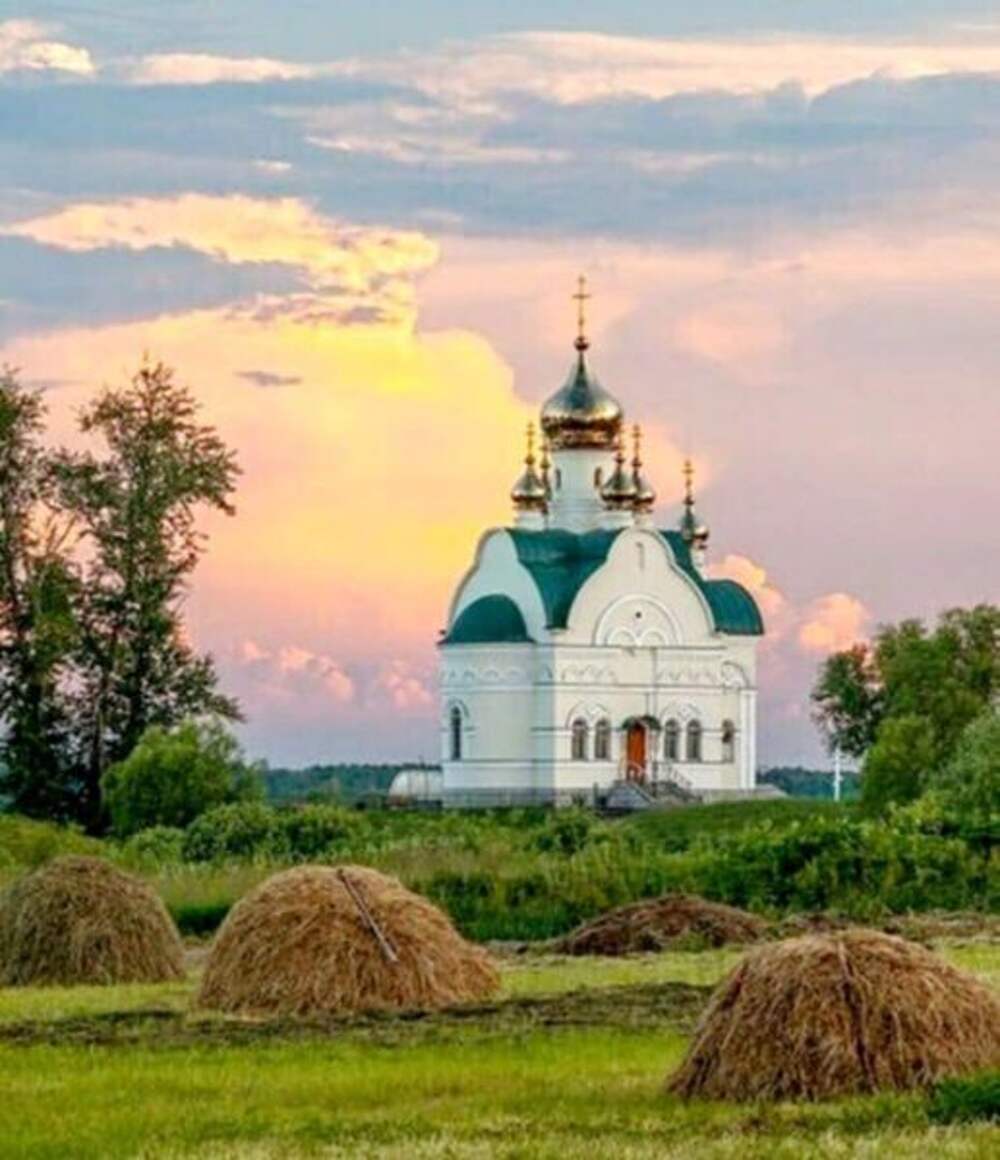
(96, 550)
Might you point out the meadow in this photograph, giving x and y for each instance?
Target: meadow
(570, 1061)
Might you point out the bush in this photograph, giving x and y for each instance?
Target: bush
(320, 831)
(567, 831)
(155, 847)
(246, 830)
(173, 776)
(960, 1101)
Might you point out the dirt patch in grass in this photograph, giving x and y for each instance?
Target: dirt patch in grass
(674, 1006)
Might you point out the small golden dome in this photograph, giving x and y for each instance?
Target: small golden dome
(645, 495)
(530, 493)
(619, 490)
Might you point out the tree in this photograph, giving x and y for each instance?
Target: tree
(174, 775)
(899, 764)
(136, 510)
(37, 628)
(946, 676)
(847, 700)
(968, 787)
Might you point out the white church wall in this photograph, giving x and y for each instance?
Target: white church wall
(640, 596)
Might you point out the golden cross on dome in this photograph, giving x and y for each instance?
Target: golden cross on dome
(580, 297)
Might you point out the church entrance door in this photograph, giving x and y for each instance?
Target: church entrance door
(635, 751)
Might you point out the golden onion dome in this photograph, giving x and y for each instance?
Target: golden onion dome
(582, 413)
(530, 492)
(619, 489)
(645, 495)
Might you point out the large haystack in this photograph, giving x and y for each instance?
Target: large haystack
(322, 940)
(79, 920)
(658, 923)
(837, 1014)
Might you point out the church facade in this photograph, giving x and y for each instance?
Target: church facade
(586, 646)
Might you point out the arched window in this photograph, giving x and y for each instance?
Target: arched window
(672, 740)
(728, 741)
(455, 732)
(558, 479)
(578, 745)
(694, 741)
(598, 477)
(602, 740)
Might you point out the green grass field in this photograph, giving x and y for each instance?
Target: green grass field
(569, 1062)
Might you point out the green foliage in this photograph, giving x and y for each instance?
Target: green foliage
(965, 1099)
(968, 787)
(156, 847)
(37, 625)
(174, 775)
(95, 555)
(567, 831)
(847, 700)
(320, 831)
(944, 677)
(135, 507)
(25, 842)
(898, 765)
(246, 830)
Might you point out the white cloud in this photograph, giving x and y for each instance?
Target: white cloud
(579, 67)
(25, 46)
(191, 68)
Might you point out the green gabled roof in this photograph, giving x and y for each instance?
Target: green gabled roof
(734, 610)
(560, 562)
(489, 620)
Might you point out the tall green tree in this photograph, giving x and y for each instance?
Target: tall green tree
(136, 507)
(37, 629)
(935, 681)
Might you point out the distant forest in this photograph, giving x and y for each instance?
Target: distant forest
(347, 783)
(352, 783)
(809, 783)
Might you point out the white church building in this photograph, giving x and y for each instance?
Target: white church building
(586, 649)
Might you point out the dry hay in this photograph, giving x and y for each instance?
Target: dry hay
(836, 1014)
(322, 940)
(80, 920)
(657, 923)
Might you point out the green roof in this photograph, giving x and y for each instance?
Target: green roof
(734, 610)
(560, 562)
(492, 619)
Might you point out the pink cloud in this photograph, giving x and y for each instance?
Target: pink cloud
(835, 622)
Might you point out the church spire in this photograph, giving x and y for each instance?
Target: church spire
(645, 496)
(695, 534)
(580, 297)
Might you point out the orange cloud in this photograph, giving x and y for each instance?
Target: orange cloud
(834, 622)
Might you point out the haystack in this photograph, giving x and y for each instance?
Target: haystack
(79, 920)
(657, 923)
(323, 940)
(836, 1014)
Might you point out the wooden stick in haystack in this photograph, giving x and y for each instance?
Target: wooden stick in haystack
(388, 950)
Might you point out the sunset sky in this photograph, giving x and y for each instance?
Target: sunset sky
(354, 229)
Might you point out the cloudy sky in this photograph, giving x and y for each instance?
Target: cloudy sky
(354, 230)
